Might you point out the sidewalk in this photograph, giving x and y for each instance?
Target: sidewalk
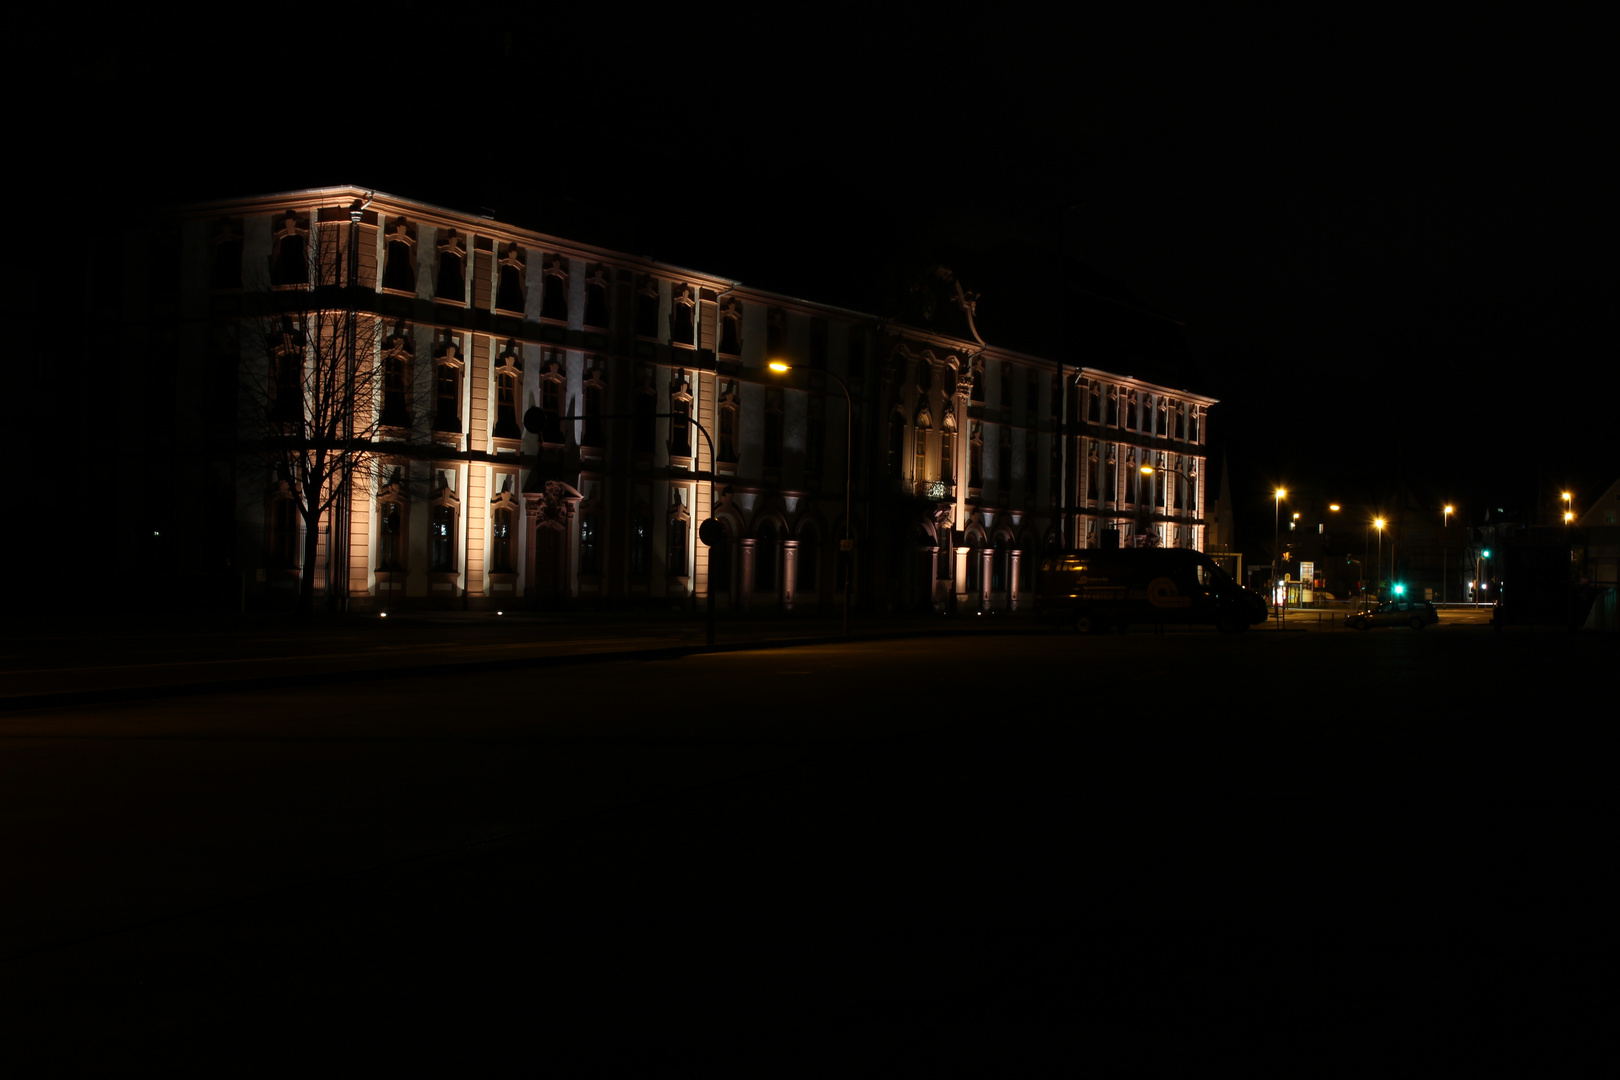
(124, 659)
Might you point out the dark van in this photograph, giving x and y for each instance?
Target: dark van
(1096, 588)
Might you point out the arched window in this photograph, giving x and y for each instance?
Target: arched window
(919, 439)
(998, 565)
(947, 450)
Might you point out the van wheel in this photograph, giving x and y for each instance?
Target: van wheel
(1084, 623)
(1358, 624)
(1416, 623)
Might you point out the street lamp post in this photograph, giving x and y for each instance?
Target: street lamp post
(1378, 523)
(847, 547)
(1445, 555)
(1276, 544)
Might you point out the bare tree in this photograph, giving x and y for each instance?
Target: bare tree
(312, 392)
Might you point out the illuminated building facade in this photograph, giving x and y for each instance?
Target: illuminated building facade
(535, 427)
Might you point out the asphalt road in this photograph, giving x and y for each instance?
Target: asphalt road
(1309, 836)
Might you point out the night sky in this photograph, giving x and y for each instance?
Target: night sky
(1383, 241)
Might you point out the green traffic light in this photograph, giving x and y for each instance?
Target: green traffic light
(1487, 553)
(1400, 589)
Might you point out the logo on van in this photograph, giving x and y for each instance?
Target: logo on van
(1162, 592)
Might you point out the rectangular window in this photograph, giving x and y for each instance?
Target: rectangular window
(442, 540)
(501, 542)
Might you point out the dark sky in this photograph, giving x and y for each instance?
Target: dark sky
(1384, 241)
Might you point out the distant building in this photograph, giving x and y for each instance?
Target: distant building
(535, 427)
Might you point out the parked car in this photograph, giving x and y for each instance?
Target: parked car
(1414, 613)
(1093, 589)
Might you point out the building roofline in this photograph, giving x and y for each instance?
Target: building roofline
(305, 198)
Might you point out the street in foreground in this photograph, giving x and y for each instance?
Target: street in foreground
(1310, 836)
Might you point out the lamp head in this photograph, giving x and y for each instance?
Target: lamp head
(780, 366)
